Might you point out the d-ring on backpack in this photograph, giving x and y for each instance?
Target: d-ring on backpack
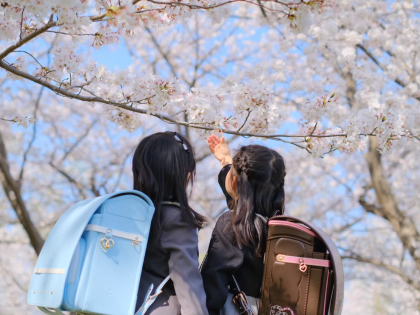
(303, 273)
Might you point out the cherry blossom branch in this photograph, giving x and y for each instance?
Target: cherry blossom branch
(126, 105)
(377, 62)
(69, 178)
(160, 49)
(194, 6)
(112, 12)
(21, 23)
(26, 39)
(101, 16)
(395, 270)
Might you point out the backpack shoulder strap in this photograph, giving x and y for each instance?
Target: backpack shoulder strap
(338, 297)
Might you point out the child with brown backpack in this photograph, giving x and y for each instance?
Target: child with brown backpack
(259, 261)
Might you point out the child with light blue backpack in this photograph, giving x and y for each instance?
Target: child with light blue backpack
(128, 252)
(163, 167)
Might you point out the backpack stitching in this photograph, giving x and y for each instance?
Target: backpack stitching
(93, 269)
(271, 277)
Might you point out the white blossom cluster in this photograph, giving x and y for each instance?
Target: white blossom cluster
(249, 102)
(254, 104)
(22, 17)
(25, 122)
(385, 123)
(313, 111)
(106, 22)
(126, 119)
(205, 106)
(301, 15)
(257, 100)
(19, 64)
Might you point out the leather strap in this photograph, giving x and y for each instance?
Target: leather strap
(304, 260)
(150, 299)
(120, 234)
(338, 296)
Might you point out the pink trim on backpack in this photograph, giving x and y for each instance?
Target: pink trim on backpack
(294, 225)
(304, 260)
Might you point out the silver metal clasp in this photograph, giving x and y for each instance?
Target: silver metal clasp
(136, 241)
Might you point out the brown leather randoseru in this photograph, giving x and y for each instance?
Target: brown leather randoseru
(303, 273)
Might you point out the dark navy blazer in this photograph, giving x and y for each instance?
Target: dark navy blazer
(174, 252)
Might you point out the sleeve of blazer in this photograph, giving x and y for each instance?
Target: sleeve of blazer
(223, 259)
(180, 241)
(222, 180)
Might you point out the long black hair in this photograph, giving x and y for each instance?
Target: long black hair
(260, 173)
(163, 163)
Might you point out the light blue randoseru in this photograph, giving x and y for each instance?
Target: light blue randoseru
(92, 260)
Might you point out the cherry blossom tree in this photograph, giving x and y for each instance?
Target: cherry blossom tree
(317, 79)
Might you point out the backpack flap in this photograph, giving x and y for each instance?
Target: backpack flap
(337, 285)
(48, 281)
(50, 273)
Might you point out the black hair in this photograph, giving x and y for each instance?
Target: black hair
(162, 163)
(260, 173)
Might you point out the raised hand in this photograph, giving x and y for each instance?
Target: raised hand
(220, 149)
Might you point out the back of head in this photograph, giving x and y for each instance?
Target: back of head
(260, 173)
(163, 165)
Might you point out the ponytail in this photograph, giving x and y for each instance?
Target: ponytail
(260, 175)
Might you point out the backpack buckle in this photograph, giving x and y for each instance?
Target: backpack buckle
(136, 241)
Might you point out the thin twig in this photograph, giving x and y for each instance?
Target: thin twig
(22, 51)
(5, 119)
(25, 155)
(246, 119)
(314, 128)
(62, 33)
(78, 141)
(21, 23)
(181, 111)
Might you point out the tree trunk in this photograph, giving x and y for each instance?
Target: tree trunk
(13, 193)
(387, 206)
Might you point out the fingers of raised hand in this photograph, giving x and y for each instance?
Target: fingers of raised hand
(211, 145)
(214, 140)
